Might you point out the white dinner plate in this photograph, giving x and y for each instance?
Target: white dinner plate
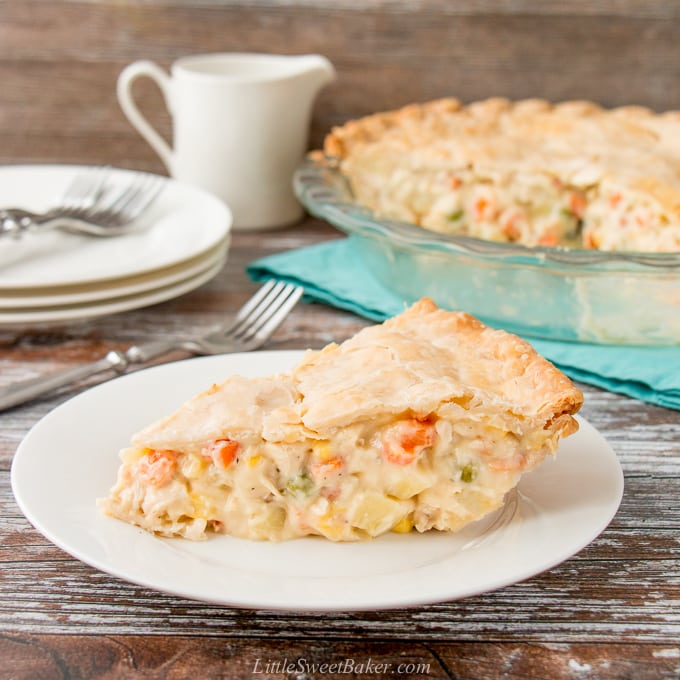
(182, 223)
(59, 314)
(69, 459)
(28, 299)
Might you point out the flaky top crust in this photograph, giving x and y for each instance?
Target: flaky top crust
(415, 363)
(579, 139)
(428, 356)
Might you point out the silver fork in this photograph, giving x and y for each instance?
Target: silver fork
(249, 329)
(90, 206)
(85, 189)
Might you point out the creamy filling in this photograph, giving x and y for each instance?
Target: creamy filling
(365, 480)
(534, 209)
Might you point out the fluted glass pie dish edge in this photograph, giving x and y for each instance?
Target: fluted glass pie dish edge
(546, 292)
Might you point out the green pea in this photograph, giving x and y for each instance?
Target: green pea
(468, 474)
(300, 485)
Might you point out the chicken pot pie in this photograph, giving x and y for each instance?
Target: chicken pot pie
(423, 422)
(570, 174)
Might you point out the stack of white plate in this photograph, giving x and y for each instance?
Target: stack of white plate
(180, 243)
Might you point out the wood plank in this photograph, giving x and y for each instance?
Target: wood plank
(143, 656)
(636, 8)
(380, 63)
(596, 602)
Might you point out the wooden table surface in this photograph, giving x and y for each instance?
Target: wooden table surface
(612, 611)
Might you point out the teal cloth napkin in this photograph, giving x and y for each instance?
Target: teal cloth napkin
(331, 272)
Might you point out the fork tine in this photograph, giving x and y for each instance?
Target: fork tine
(118, 201)
(258, 324)
(144, 199)
(244, 330)
(85, 189)
(125, 205)
(260, 314)
(256, 306)
(250, 305)
(93, 205)
(273, 320)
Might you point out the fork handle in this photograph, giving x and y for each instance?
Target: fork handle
(14, 223)
(26, 390)
(21, 392)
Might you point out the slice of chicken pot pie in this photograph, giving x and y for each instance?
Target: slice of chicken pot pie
(423, 422)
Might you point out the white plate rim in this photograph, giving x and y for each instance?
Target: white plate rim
(109, 290)
(126, 303)
(597, 502)
(166, 210)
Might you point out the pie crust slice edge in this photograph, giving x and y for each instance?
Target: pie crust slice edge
(423, 422)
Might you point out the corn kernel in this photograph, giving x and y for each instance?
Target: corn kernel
(404, 525)
(203, 509)
(332, 523)
(322, 450)
(405, 487)
(254, 460)
(193, 466)
(130, 456)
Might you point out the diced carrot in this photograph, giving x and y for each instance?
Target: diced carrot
(455, 182)
(484, 209)
(404, 441)
(548, 239)
(510, 228)
(222, 452)
(322, 469)
(615, 199)
(577, 203)
(590, 240)
(157, 468)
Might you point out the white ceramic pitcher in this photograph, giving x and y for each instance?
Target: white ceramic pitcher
(240, 126)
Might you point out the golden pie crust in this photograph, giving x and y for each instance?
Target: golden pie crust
(423, 422)
(569, 174)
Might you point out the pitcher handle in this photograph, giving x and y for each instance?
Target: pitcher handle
(126, 78)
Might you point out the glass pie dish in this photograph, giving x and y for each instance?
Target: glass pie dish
(547, 292)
